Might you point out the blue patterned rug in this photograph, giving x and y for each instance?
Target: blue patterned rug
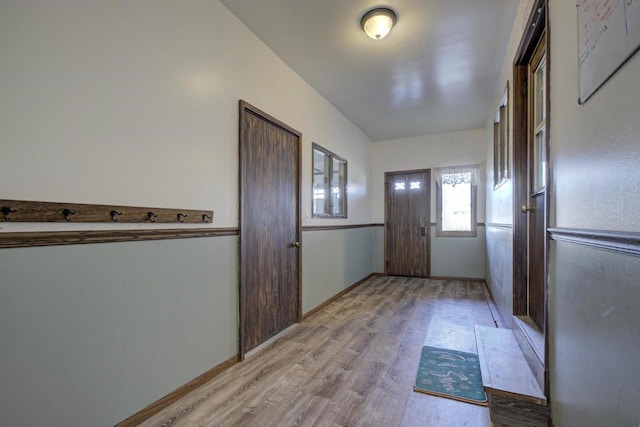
(452, 374)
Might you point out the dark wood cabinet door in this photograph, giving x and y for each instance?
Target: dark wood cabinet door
(407, 219)
(269, 227)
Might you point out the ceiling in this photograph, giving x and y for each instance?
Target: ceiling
(437, 71)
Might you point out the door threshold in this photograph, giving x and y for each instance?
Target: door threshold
(532, 343)
(533, 334)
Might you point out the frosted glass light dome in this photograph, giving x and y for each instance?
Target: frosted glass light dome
(378, 22)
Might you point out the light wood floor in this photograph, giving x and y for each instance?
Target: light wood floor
(351, 364)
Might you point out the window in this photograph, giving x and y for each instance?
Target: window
(538, 89)
(329, 184)
(501, 141)
(456, 194)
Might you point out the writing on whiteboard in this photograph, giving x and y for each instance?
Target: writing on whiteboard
(608, 34)
(592, 44)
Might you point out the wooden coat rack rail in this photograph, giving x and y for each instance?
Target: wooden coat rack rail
(27, 211)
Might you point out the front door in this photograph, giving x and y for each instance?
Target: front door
(269, 227)
(407, 220)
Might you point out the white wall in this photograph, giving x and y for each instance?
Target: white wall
(136, 103)
(429, 152)
(499, 201)
(595, 154)
(593, 294)
(594, 316)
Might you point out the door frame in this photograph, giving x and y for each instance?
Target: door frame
(429, 224)
(246, 108)
(537, 28)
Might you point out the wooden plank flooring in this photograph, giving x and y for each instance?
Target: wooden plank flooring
(351, 364)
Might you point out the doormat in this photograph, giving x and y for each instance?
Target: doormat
(452, 374)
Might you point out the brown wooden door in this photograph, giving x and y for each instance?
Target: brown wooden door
(269, 227)
(407, 218)
(537, 160)
(531, 173)
(536, 294)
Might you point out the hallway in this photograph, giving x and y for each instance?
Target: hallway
(351, 364)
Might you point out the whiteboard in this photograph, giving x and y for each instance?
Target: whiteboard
(608, 35)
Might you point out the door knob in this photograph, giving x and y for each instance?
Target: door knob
(527, 208)
(295, 244)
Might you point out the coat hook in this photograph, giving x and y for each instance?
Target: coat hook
(6, 210)
(67, 213)
(150, 217)
(180, 216)
(113, 215)
(205, 218)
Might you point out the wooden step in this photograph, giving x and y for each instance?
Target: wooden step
(515, 398)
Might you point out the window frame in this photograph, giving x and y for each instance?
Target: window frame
(501, 151)
(473, 232)
(328, 184)
(538, 62)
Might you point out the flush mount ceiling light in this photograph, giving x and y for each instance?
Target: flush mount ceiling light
(378, 22)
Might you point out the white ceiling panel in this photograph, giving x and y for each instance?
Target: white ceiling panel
(435, 72)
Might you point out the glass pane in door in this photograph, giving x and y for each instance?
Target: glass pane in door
(539, 160)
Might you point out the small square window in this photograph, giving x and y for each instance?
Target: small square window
(414, 185)
(400, 186)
